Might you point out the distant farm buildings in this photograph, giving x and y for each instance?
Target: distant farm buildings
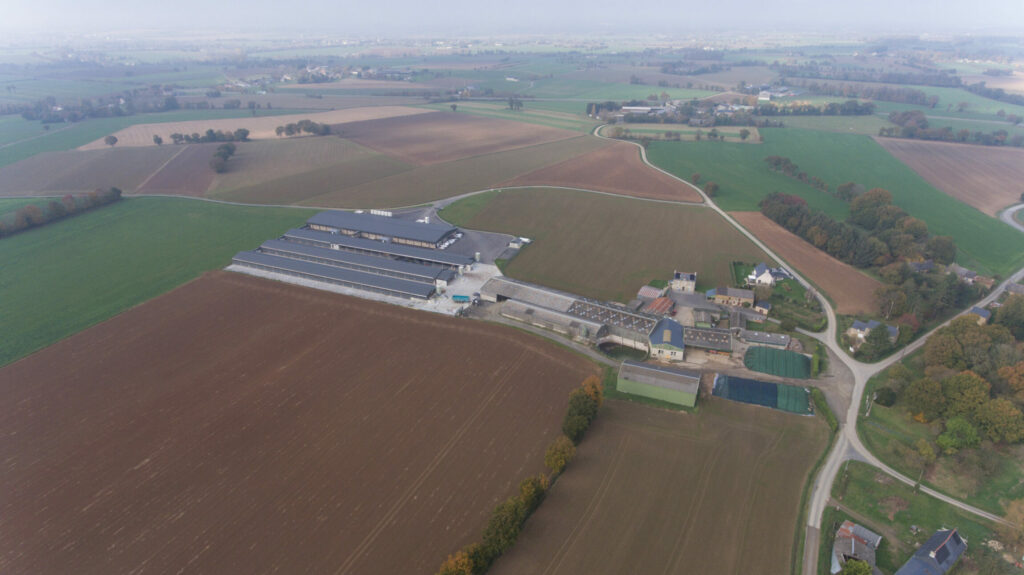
(367, 252)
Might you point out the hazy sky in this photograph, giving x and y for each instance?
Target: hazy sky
(470, 17)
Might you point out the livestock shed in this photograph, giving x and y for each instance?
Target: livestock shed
(775, 395)
(711, 339)
(425, 256)
(332, 275)
(676, 386)
(360, 262)
(384, 228)
(778, 362)
(555, 321)
(501, 288)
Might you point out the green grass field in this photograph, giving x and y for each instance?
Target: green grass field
(66, 276)
(890, 507)
(605, 247)
(564, 121)
(985, 245)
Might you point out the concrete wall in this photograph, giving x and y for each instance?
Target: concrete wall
(653, 392)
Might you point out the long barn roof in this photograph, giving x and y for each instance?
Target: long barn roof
(397, 250)
(340, 258)
(314, 270)
(383, 225)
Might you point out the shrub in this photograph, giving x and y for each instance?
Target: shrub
(821, 406)
(885, 396)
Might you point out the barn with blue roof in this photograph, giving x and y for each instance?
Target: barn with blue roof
(667, 340)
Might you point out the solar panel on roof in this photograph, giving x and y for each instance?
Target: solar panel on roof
(329, 273)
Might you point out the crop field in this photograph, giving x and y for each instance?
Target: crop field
(852, 291)
(55, 173)
(653, 491)
(551, 113)
(187, 173)
(981, 176)
(68, 275)
(261, 127)
(438, 137)
(616, 169)
(606, 247)
(63, 137)
(427, 183)
(223, 428)
(740, 170)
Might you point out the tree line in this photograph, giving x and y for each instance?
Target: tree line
(239, 135)
(34, 215)
(786, 166)
(303, 126)
(884, 93)
(997, 94)
(508, 518)
(829, 72)
(913, 124)
(847, 108)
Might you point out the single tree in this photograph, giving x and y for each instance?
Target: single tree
(455, 107)
(110, 140)
(856, 567)
(458, 564)
(744, 134)
(711, 189)
(158, 140)
(924, 398)
(695, 179)
(559, 454)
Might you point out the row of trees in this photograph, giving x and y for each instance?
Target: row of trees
(847, 108)
(786, 166)
(881, 232)
(828, 71)
(913, 124)
(997, 94)
(303, 126)
(508, 518)
(883, 93)
(239, 135)
(34, 215)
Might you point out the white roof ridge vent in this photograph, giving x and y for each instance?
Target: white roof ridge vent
(384, 213)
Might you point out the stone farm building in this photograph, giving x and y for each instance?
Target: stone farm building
(676, 386)
(854, 542)
(348, 258)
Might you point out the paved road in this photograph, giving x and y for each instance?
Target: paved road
(848, 444)
(1007, 216)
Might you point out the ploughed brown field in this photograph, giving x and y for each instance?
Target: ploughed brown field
(437, 137)
(187, 173)
(984, 177)
(852, 291)
(239, 425)
(259, 128)
(654, 491)
(616, 169)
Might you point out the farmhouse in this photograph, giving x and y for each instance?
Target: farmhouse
(763, 307)
(667, 341)
(937, 555)
(982, 315)
(657, 382)
(860, 330)
(854, 542)
(731, 296)
(967, 276)
(685, 282)
(762, 275)
(382, 228)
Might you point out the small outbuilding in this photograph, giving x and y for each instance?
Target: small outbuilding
(981, 315)
(854, 542)
(676, 386)
(937, 556)
(666, 340)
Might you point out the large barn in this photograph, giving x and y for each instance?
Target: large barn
(676, 386)
(382, 228)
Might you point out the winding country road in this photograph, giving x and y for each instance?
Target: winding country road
(848, 444)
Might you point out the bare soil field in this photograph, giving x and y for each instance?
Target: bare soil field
(438, 137)
(437, 181)
(243, 425)
(852, 291)
(52, 173)
(295, 100)
(357, 84)
(187, 173)
(606, 247)
(259, 128)
(616, 169)
(984, 177)
(653, 491)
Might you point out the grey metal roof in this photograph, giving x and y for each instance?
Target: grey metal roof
(659, 376)
(765, 337)
(340, 258)
(981, 312)
(383, 225)
(320, 271)
(937, 555)
(708, 338)
(397, 250)
(528, 293)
